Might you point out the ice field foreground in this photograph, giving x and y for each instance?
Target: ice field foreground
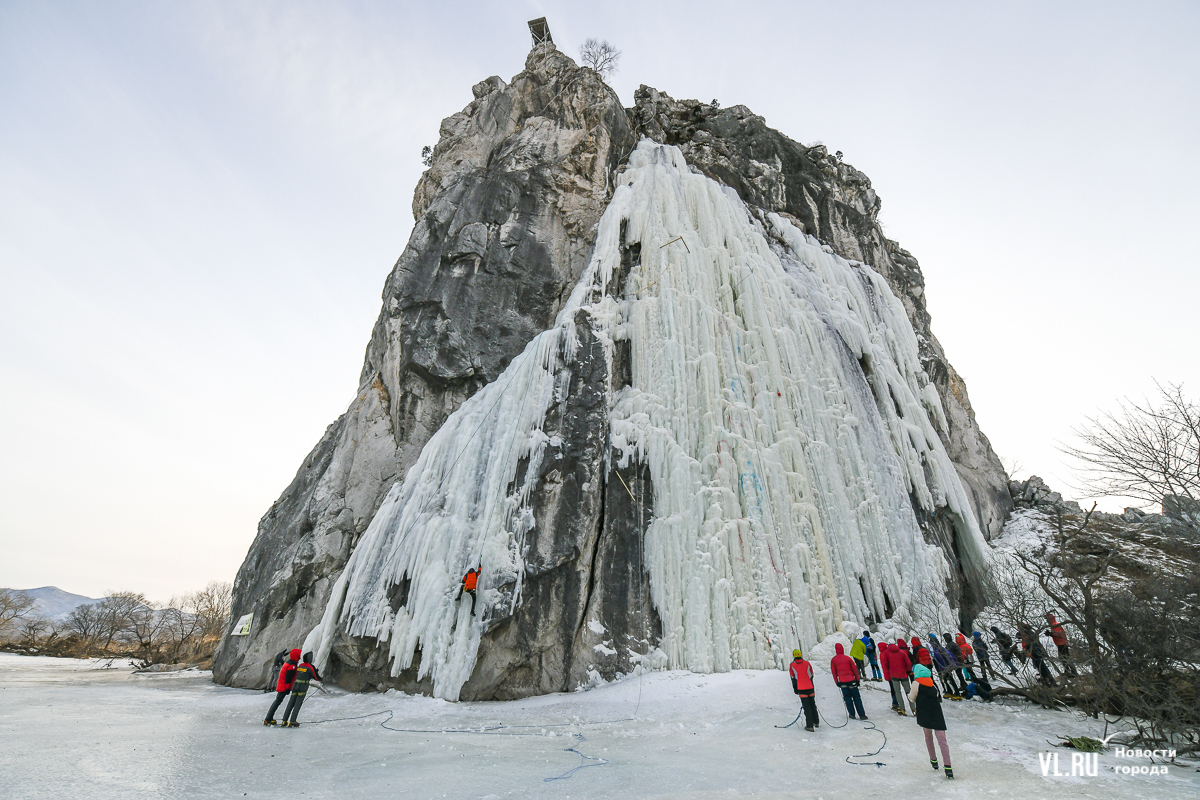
(69, 729)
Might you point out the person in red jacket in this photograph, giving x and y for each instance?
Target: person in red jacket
(287, 677)
(1060, 641)
(305, 672)
(922, 655)
(801, 673)
(900, 668)
(883, 666)
(912, 659)
(845, 675)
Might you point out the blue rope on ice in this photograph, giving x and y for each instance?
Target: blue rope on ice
(570, 773)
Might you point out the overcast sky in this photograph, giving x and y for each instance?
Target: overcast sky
(199, 203)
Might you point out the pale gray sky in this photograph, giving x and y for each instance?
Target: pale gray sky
(199, 203)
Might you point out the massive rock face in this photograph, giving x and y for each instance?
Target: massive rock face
(504, 220)
(507, 218)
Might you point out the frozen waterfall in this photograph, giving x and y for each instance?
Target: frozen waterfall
(779, 403)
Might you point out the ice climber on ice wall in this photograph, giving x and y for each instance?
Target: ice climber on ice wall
(783, 477)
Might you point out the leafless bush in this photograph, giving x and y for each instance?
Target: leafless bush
(127, 624)
(14, 607)
(600, 56)
(1135, 651)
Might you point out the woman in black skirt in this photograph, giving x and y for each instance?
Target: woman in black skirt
(928, 704)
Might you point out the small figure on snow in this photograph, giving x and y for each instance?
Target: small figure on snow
(858, 651)
(981, 652)
(305, 672)
(283, 686)
(928, 706)
(946, 667)
(846, 675)
(898, 667)
(1037, 654)
(801, 673)
(872, 656)
(469, 582)
(1007, 650)
(1056, 632)
(280, 657)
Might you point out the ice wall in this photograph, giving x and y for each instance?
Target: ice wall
(779, 403)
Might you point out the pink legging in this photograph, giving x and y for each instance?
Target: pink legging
(941, 737)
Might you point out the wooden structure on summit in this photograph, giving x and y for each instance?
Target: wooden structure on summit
(541, 31)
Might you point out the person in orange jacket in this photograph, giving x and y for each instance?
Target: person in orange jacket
(1059, 636)
(469, 582)
(846, 676)
(801, 673)
(287, 677)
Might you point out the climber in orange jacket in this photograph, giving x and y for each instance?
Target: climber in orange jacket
(801, 673)
(469, 582)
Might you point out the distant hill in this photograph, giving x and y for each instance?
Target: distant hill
(52, 602)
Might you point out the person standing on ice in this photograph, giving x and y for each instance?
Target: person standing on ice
(887, 677)
(1036, 653)
(899, 668)
(846, 675)
(469, 582)
(305, 672)
(873, 655)
(280, 657)
(946, 667)
(985, 661)
(928, 707)
(1057, 633)
(1007, 651)
(287, 676)
(801, 673)
(858, 651)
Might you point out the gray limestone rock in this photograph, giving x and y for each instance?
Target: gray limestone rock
(505, 221)
(505, 218)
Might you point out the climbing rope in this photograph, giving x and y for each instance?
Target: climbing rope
(500, 730)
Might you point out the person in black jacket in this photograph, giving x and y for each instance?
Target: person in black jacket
(280, 657)
(1037, 654)
(986, 672)
(1005, 644)
(305, 672)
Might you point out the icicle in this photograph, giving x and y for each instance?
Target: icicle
(779, 404)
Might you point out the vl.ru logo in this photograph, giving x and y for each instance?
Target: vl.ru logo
(1082, 765)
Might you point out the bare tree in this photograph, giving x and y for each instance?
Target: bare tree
(14, 606)
(213, 605)
(1148, 450)
(1070, 575)
(600, 56)
(84, 623)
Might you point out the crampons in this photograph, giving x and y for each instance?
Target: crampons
(949, 772)
(933, 763)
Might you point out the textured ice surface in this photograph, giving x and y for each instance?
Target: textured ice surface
(779, 402)
(71, 731)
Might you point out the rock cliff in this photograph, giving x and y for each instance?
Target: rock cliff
(506, 222)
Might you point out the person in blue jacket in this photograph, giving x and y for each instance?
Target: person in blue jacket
(872, 656)
(946, 668)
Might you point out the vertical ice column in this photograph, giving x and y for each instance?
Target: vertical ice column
(778, 402)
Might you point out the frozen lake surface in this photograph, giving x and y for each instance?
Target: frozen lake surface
(71, 730)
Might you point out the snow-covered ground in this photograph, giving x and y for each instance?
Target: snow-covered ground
(69, 729)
